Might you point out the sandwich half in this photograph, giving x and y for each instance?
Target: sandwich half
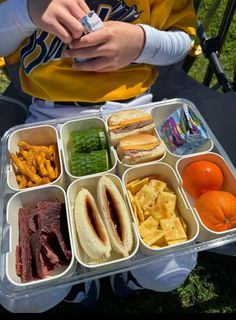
(129, 122)
(91, 231)
(115, 216)
(140, 148)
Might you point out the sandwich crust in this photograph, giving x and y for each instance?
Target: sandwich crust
(91, 231)
(115, 216)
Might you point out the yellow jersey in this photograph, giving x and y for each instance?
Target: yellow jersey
(45, 75)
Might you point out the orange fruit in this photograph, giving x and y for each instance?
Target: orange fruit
(217, 210)
(202, 176)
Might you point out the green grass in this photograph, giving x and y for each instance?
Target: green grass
(211, 286)
(228, 54)
(3, 82)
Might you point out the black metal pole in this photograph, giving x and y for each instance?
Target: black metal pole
(214, 65)
(216, 68)
(190, 59)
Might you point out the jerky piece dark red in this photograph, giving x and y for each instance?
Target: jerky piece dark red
(50, 222)
(57, 232)
(43, 265)
(25, 251)
(33, 219)
(18, 261)
(51, 251)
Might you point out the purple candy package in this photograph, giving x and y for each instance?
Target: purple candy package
(183, 132)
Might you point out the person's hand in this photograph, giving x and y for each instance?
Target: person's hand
(113, 47)
(59, 17)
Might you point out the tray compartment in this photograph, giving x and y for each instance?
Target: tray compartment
(165, 173)
(29, 199)
(91, 185)
(122, 167)
(35, 135)
(229, 184)
(159, 113)
(81, 124)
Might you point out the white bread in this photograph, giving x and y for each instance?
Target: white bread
(124, 115)
(126, 119)
(139, 149)
(115, 215)
(91, 231)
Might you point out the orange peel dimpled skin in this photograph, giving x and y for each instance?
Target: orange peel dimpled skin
(202, 176)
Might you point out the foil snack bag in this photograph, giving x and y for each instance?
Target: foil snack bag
(183, 132)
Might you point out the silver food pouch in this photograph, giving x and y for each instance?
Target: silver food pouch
(91, 23)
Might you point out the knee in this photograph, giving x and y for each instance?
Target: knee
(166, 275)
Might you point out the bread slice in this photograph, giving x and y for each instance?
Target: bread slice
(91, 231)
(115, 216)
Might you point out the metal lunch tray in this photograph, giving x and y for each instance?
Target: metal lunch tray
(82, 273)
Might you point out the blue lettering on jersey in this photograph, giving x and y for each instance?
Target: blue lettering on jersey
(46, 53)
(104, 11)
(55, 50)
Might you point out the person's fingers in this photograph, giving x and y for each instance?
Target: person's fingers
(73, 26)
(94, 65)
(82, 4)
(61, 32)
(78, 12)
(90, 52)
(89, 40)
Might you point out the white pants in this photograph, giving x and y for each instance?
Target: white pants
(46, 110)
(161, 277)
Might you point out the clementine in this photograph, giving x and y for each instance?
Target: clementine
(217, 210)
(202, 176)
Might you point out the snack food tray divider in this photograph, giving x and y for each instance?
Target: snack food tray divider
(81, 273)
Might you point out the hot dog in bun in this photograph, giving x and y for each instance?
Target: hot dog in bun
(115, 215)
(129, 122)
(140, 148)
(91, 231)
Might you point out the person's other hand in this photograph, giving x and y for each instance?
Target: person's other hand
(113, 47)
(59, 17)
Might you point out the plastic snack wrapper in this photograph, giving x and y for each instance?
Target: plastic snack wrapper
(182, 131)
(91, 23)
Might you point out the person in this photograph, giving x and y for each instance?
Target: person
(118, 65)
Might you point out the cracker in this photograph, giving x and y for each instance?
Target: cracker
(148, 227)
(146, 196)
(173, 229)
(153, 237)
(137, 185)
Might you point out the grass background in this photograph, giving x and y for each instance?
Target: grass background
(210, 288)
